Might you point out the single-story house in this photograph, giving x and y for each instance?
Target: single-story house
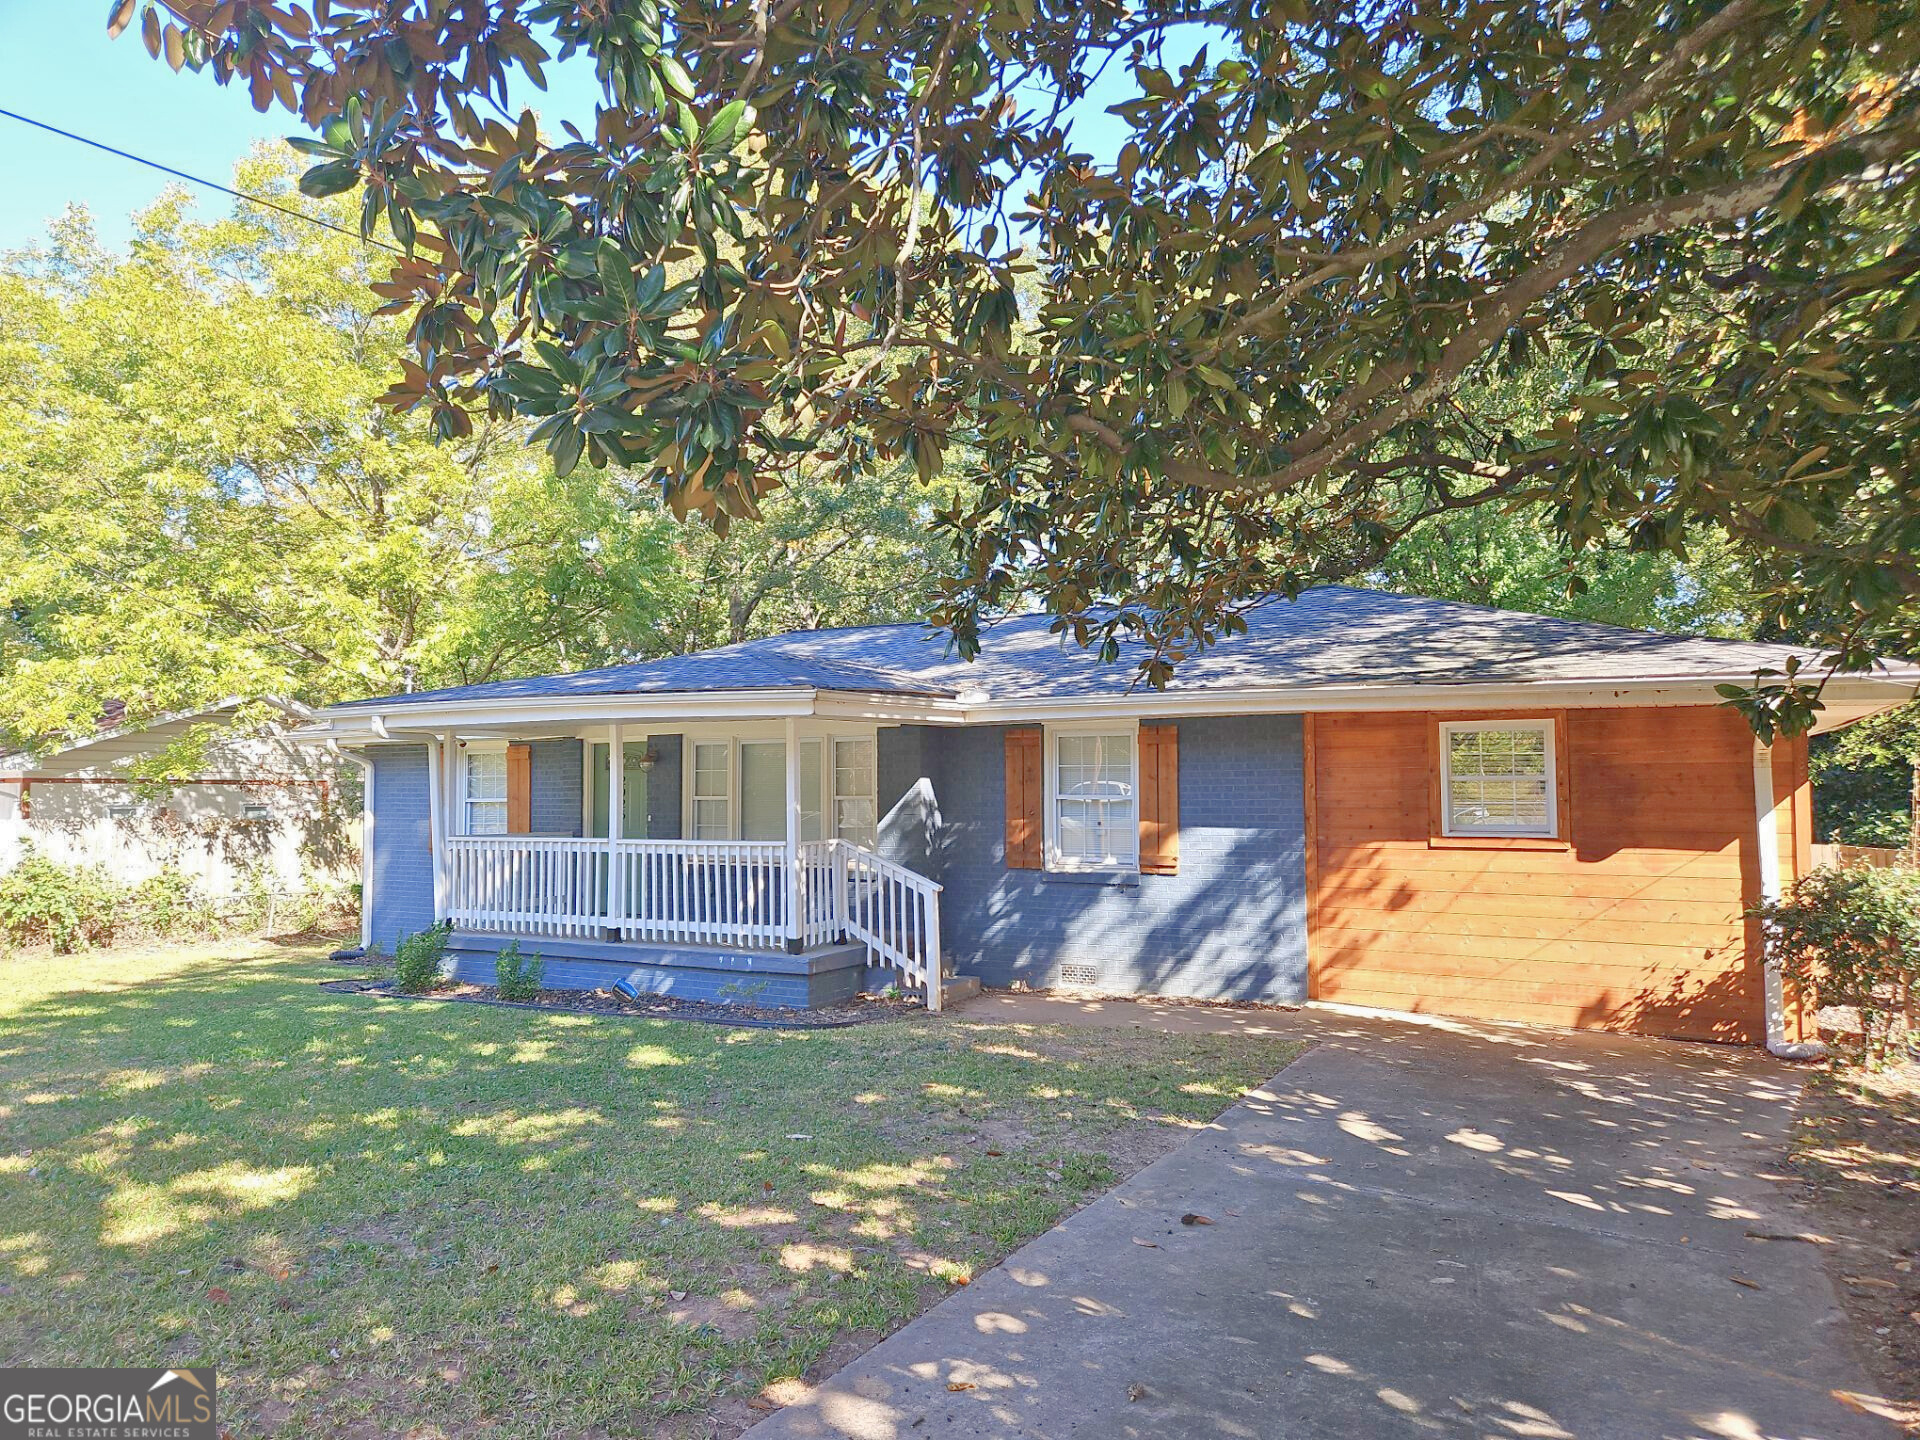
(1369, 798)
(256, 803)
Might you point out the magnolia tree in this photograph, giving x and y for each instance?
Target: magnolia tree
(1278, 289)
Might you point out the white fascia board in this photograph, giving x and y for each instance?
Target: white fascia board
(1847, 698)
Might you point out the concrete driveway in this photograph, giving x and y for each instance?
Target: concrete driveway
(1423, 1230)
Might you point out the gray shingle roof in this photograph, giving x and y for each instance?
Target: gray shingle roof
(1333, 635)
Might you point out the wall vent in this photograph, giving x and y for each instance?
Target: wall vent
(1083, 975)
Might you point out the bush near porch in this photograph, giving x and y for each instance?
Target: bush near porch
(383, 1217)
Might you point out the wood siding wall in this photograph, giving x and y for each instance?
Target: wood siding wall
(1633, 920)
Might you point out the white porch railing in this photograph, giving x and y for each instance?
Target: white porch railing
(702, 892)
(894, 912)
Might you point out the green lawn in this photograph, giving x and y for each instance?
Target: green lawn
(390, 1218)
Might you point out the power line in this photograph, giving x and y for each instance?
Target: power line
(198, 180)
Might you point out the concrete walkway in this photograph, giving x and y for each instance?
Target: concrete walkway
(1443, 1230)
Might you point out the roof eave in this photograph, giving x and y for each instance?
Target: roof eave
(369, 724)
(1847, 697)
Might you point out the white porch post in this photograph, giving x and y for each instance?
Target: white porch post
(795, 889)
(442, 806)
(1767, 838)
(616, 811)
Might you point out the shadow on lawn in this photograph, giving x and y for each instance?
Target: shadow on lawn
(362, 1212)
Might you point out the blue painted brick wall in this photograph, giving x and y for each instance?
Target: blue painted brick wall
(1231, 924)
(557, 768)
(402, 899)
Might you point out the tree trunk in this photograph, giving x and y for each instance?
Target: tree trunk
(1913, 815)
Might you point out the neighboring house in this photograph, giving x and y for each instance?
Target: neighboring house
(1369, 798)
(255, 805)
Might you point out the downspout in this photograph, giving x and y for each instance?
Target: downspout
(1767, 833)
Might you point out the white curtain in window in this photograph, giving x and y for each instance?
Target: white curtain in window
(812, 774)
(763, 790)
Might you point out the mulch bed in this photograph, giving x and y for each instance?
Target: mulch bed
(863, 1010)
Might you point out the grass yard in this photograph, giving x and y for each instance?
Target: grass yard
(388, 1218)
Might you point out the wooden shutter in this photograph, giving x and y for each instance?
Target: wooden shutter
(1159, 799)
(519, 789)
(1024, 798)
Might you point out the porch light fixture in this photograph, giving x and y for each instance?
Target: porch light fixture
(646, 760)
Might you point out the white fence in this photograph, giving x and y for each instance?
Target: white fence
(700, 892)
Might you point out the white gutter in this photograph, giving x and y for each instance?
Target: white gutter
(1767, 827)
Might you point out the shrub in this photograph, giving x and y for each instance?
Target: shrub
(1850, 935)
(416, 961)
(67, 906)
(168, 904)
(518, 976)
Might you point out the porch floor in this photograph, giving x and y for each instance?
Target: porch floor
(824, 975)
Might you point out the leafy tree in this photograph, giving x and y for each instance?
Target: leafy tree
(212, 502)
(794, 229)
(1515, 562)
(1867, 781)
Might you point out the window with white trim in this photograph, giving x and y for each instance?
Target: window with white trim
(1094, 822)
(483, 791)
(1497, 778)
(712, 790)
(856, 774)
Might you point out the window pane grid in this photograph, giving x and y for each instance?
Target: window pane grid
(1093, 799)
(1497, 781)
(486, 793)
(855, 791)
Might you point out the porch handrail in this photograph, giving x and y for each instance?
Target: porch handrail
(894, 912)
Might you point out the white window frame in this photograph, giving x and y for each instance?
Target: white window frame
(822, 734)
(830, 785)
(730, 745)
(1546, 730)
(1128, 864)
(466, 749)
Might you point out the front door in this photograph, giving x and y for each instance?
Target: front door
(633, 792)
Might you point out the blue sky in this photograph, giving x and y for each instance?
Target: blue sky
(57, 65)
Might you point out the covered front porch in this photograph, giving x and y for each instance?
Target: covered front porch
(722, 859)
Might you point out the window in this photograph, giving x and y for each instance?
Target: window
(256, 813)
(855, 792)
(763, 790)
(1497, 778)
(1095, 825)
(122, 812)
(812, 774)
(712, 791)
(484, 792)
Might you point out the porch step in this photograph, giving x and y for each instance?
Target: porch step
(956, 988)
(821, 976)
